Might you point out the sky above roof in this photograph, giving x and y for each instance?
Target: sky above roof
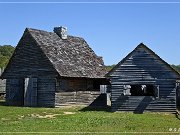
(111, 29)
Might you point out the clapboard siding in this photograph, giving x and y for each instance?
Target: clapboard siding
(143, 67)
(28, 60)
(166, 101)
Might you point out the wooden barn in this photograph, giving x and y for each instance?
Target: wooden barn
(142, 81)
(53, 68)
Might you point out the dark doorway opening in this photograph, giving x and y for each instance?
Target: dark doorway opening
(142, 90)
(150, 91)
(96, 84)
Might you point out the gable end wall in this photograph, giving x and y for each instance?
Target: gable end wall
(141, 67)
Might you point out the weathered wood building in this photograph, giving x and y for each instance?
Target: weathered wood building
(142, 81)
(53, 68)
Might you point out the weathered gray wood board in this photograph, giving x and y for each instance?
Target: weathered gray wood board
(143, 67)
(30, 92)
(92, 98)
(28, 60)
(165, 103)
(46, 92)
(41, 92)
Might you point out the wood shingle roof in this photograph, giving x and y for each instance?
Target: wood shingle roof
(71, 57)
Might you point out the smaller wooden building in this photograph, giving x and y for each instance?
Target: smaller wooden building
(142, 81)
(53, 68)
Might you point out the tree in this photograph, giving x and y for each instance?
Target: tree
(6, 52)
(109, 67)
(176, 67)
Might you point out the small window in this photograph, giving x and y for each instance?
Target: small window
(141, 90)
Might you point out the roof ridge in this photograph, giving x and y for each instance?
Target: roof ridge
(39, 30)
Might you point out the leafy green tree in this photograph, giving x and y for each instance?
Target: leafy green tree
(176, 67)
(109, 67)
(6, 52)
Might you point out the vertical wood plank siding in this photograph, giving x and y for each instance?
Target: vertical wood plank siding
(46, 92)
(30, 92)
(15, 92)
(141, 67)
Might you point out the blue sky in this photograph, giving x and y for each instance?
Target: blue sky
(111, 30)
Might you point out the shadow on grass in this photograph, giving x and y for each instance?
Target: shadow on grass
(2, 103)
(92, 108)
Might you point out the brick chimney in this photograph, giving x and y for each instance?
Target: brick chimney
(61, 32)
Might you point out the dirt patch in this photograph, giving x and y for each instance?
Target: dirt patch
(21, 117)
(67, 113)
(5, 119)
(48, 116)
(67, 106)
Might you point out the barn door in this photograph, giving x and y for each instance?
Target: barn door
(14, 92)
(30, 92)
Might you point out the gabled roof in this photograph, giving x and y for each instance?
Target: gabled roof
(71, 57)
(141, 45)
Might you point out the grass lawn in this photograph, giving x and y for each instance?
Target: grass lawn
(74, 119)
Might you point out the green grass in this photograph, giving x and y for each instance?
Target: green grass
(25, 119)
